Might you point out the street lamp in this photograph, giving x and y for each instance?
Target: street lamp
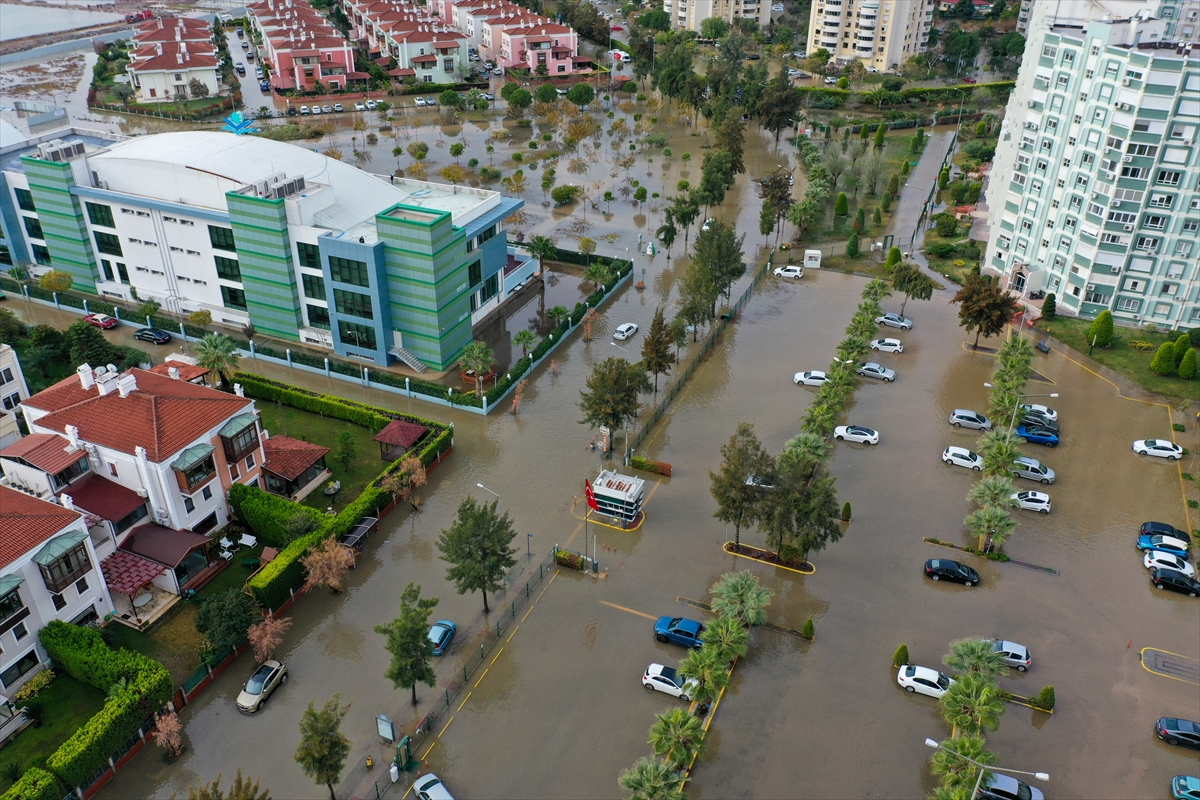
(489, 491)
(622, 349)
(1016, 405)
(1041, 776)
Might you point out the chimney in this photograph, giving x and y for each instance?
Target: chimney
(173, 372)
(106, 383)
(126, 384)
(238, 390)
(72, 436)
(86, 379)
(67, 502)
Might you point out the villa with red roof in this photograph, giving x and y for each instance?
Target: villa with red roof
(168, 54)
(301, 46)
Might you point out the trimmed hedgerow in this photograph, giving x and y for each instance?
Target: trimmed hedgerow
(35, 784)
(268, 514)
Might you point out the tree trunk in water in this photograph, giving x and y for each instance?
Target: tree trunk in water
(486, 610)
(737, 535)
(414, 693)
(902, 305)
(332, 796)
(977, 332)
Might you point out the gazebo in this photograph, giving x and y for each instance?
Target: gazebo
(398, 437)
(128, 574)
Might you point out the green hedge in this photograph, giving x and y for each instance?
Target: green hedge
(371, 417)
(35, 784)
(83, 655)
(267, 514)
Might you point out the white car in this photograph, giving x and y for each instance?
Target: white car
(1160, 448)
(962, 457)
(856, 433)
(1157, 559)
(811, 378)
(777, 8)
(831, 81)
(971, 419)
(873, 70)
(658, 678)
(894, 321)
(1032, 501)
(624, 331)
(708, 223)
(420, 101)
(924, 680)
(498, 72)
(1038, 408)
(790, 271)
(872, 370)
(430, 787)
(360, 106)
(372, 105)
(887, 345)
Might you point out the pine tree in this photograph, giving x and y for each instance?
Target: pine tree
(865, 131)
(877, 216)
(1164, 360)
(885, 202)
(860, 220)
(1182, 345)
(1187, 367)
(1050, 307)
(1101, 331)
(893, 186)
(880, 133)
(852, 246)
(657, 357)
(841, 208)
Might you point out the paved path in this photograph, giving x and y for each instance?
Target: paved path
(914, 192)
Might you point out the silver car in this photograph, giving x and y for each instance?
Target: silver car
(1032, 469)
(965, 418)
(872, 370)
(1013, 654)
(430, 787)
(265, 680)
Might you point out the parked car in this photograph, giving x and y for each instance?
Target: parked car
(1014, 655)
(441, 633)
(1150, 528)
(678, 630)
(870, 369)
(262, 684)
(240, 69)
(338, 107)
(1036, 434)
(965, 418)
(1185, 787)
(326, 109)
(658, 678)
(1159, 448)
(430, 100)
(1032, 469)
(430, 787)
(1038, 418)
(1167, 544)
(1161, 559)
(304, 111)
(831, 81)
(707, 223)
(813, 377)
(316, 110)
(102, 321)
(1181, 732)
(264, 86)
(152, 335)
(617, 28)
(1032, 501)
(360, 106)
(420, 101)
(625, 330)
(498, 72)
(856, 433)
(894, 321)
(887, 345)
(1048, 413)
(790, 271)
(999, 786)
(943, 569)
(923, 680)
(372, 105)
(969, 80)
(777, 8)
(1176, 581)
(962, 457)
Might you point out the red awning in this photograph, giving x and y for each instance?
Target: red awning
(127, 573)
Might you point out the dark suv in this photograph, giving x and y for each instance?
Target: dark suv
(1162, 528)
(1176, 581)
(1182, 732)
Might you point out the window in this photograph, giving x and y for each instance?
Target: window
(1113, 143)
(108, 243)
(310, 255)
(19, 631)
(11, 401)
(11, 605)
(66, 569)
(24, 665)
(221, 238)
(1161, 201)
(228, 268)
(1096, 209)
(60, 602)
(1141, 126)
(64, 477)
(318, 317)
(41, 254)
(196, 474)
(33, 227)
(347, 270)
(81, 586)
(1112, 238)
(250, 462)
(1154, 222)
(1129, 195)
(353, 303)
(206, 493)
(1134, 172)
(1096, 297)
(1027, 226)
(233, 472)
(351, 333)
(1019, 180)
(1183, 248)
(314, 286)
(1148, 243)
(6, 375)
(100, 214)
(1133, 73)
(188, 505)
(1142, 150)
(238, 445)
(1191, 225)
(1168, 178)
(475, 274)
(25, 200)
(233, 298)
(1121, 217)
(1049, 51)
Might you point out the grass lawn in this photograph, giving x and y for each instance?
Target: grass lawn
(1120, 357)
(68, 705)
(311, 427)
(831, 228)
(863, 265)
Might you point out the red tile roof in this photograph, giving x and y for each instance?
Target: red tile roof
(164, 545)
(127, 573)
(45, 451)
(289, 458)
(27, 522)
(162, 415)
(104, 498)
(177, 61)
(399, 433)
(187, 372)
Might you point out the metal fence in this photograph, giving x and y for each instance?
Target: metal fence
(931, 201)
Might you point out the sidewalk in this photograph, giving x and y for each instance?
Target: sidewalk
(917, 188)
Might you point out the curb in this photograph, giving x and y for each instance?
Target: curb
(725, 547)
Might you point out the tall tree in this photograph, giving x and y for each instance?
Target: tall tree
(719, 253)
(225, 619)
(685, 209)
(732, 139)
(780, 102)
(657, 357)
(667, 232)
(745, 474)
(56, 280)
(323, 747)
(975, 655)
(908, 279)
(993, 491)
(218, 353)
(727, 636)
(739, 596)
(708, 669)
(716, 176)
(957, 773)
(479, 359)
(697, 297)
(611, 397)
(478, 546)
(651, 779)
(998, 450)
(408, 642)
(973, 703)
(676, 736)
(983, 306)
(990, 523)
(542, 247)
(525, 339)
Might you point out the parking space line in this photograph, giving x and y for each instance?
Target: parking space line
(427, 751)
(464, 702)
(630, 610)
(1187, 666)
(514, 633)
(498, 652)
(447, 725)
(481, 677)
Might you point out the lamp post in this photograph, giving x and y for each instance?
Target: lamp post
(1041, 776)
(179, 310)
(489, 491)
(622, 349)
(1012, 421)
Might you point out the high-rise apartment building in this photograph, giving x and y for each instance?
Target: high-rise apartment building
(1095, 191)
(689, 14)
(882, 34)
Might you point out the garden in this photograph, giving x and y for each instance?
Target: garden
(57, 710)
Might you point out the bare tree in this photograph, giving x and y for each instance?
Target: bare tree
(168, 733)
(267, 635)
(327, 565)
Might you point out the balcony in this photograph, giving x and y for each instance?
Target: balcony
(63, 561)
(239, 437)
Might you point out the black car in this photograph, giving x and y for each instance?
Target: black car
(1162, 528)
(943, 569)
(1181, 732)
(291, 112)
(1176, 581)
(152, 335)
(1032, 417)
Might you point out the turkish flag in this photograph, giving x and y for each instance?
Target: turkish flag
(591, 496)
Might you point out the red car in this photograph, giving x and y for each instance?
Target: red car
(617, 28)
(969, 80)
(101, 321)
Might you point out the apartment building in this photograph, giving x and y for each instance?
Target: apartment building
(13, 391)
(168, 54)
(513, 36)
(882, 34)
(301, 46)
(689, 14)
(1095, 194)
(305, 247)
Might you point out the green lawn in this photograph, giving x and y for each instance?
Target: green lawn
(324, 431)
(1120, 357)
(831, 228)
(68, 705)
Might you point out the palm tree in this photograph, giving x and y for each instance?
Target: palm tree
(515, 183)
(876, 290)
(958, 774)
(739, 595)
(218, 353)
(676, 736)
(998, 451)
(597, 274)
(525, 339)
(818, 420)
(942, 793)
(994, 523)
(727, 636)
(651, 779)
(994, 490)
(973, 703)
(543, 248)
(667, 231)
(710, 672)
(556, 315)
(977, 656)
(808, 449)
(852, 348)
(477, 357)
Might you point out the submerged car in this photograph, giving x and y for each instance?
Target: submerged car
(625, 330)
(152, 335)
(870, 369)
(887, 345)
(1005, 787)
(1032, 501)
(790, 271)
(1032, 469)
(262, 684)
(813, 377)
(1036, 434)
(923, 680)
(1179, 732)
(894, 321)
(1150, 528)
(1167, 544)
(1176, 581)
(943, 569)
(678, 630)
(1160, 559)
(1013, 654)
(962, 457)
(430, 787)
(966, 418)
(856, 433)
(101, 321)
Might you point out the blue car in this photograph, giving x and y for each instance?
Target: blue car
(678, 630)
(1038, 434)
(440, 635)
(1185, 787)
(1167, 544)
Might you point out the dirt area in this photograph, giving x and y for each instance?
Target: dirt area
(36, 81)
(126, 6)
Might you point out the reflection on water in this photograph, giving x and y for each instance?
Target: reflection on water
(20, 20)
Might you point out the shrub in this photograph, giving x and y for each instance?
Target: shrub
(946, 224)
(841, 208)
(630, 87)
(489, 174)
(900, 657)
(808, 632)
(565, 194)
(1045, 699)
(35, 784)
(1050, 307)
(846, 511)
(33, 686)
(1164, 360)
(852, 246)
(1141, 344)
(939, 249)
(1182, 345)
(1101, 331)
(1194, 337)
(1187, 367)
(569, 560)
(650, 465)
(885, 202)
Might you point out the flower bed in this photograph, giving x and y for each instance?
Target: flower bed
(769, 557)
(570, 560)
(650, 465)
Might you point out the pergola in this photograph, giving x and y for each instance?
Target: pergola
(398, 437)
(126, 573)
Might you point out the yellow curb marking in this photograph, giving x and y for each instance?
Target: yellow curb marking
(623, 608)
(463, 703)
(1142, 661)
(769, 564)
(481, 677)
(498, 652)
(606, 525)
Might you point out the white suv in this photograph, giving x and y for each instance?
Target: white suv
(962, 457)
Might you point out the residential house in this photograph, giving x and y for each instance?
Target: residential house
(302, 47)
(13, 391)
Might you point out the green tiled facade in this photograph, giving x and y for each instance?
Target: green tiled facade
(264, 249)
(61, 216)
(426, 264)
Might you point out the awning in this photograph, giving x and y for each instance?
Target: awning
(9, 582)
(192, 456)
(163, 545)
(237, 425)
(127, 573)
(57, 546)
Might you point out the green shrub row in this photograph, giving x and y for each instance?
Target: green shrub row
(569, 560)
(369, 417)
(82, 653)
(834, 98)
(650, 465)
(35, 784)
(268, 514)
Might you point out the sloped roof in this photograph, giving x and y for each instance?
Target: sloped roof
(27, 522)
(289, 458)
(104, 498)
(46, 451)
(400, 433)
(127, 573)
(176, 62)
(165, 545)
(187, 372)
